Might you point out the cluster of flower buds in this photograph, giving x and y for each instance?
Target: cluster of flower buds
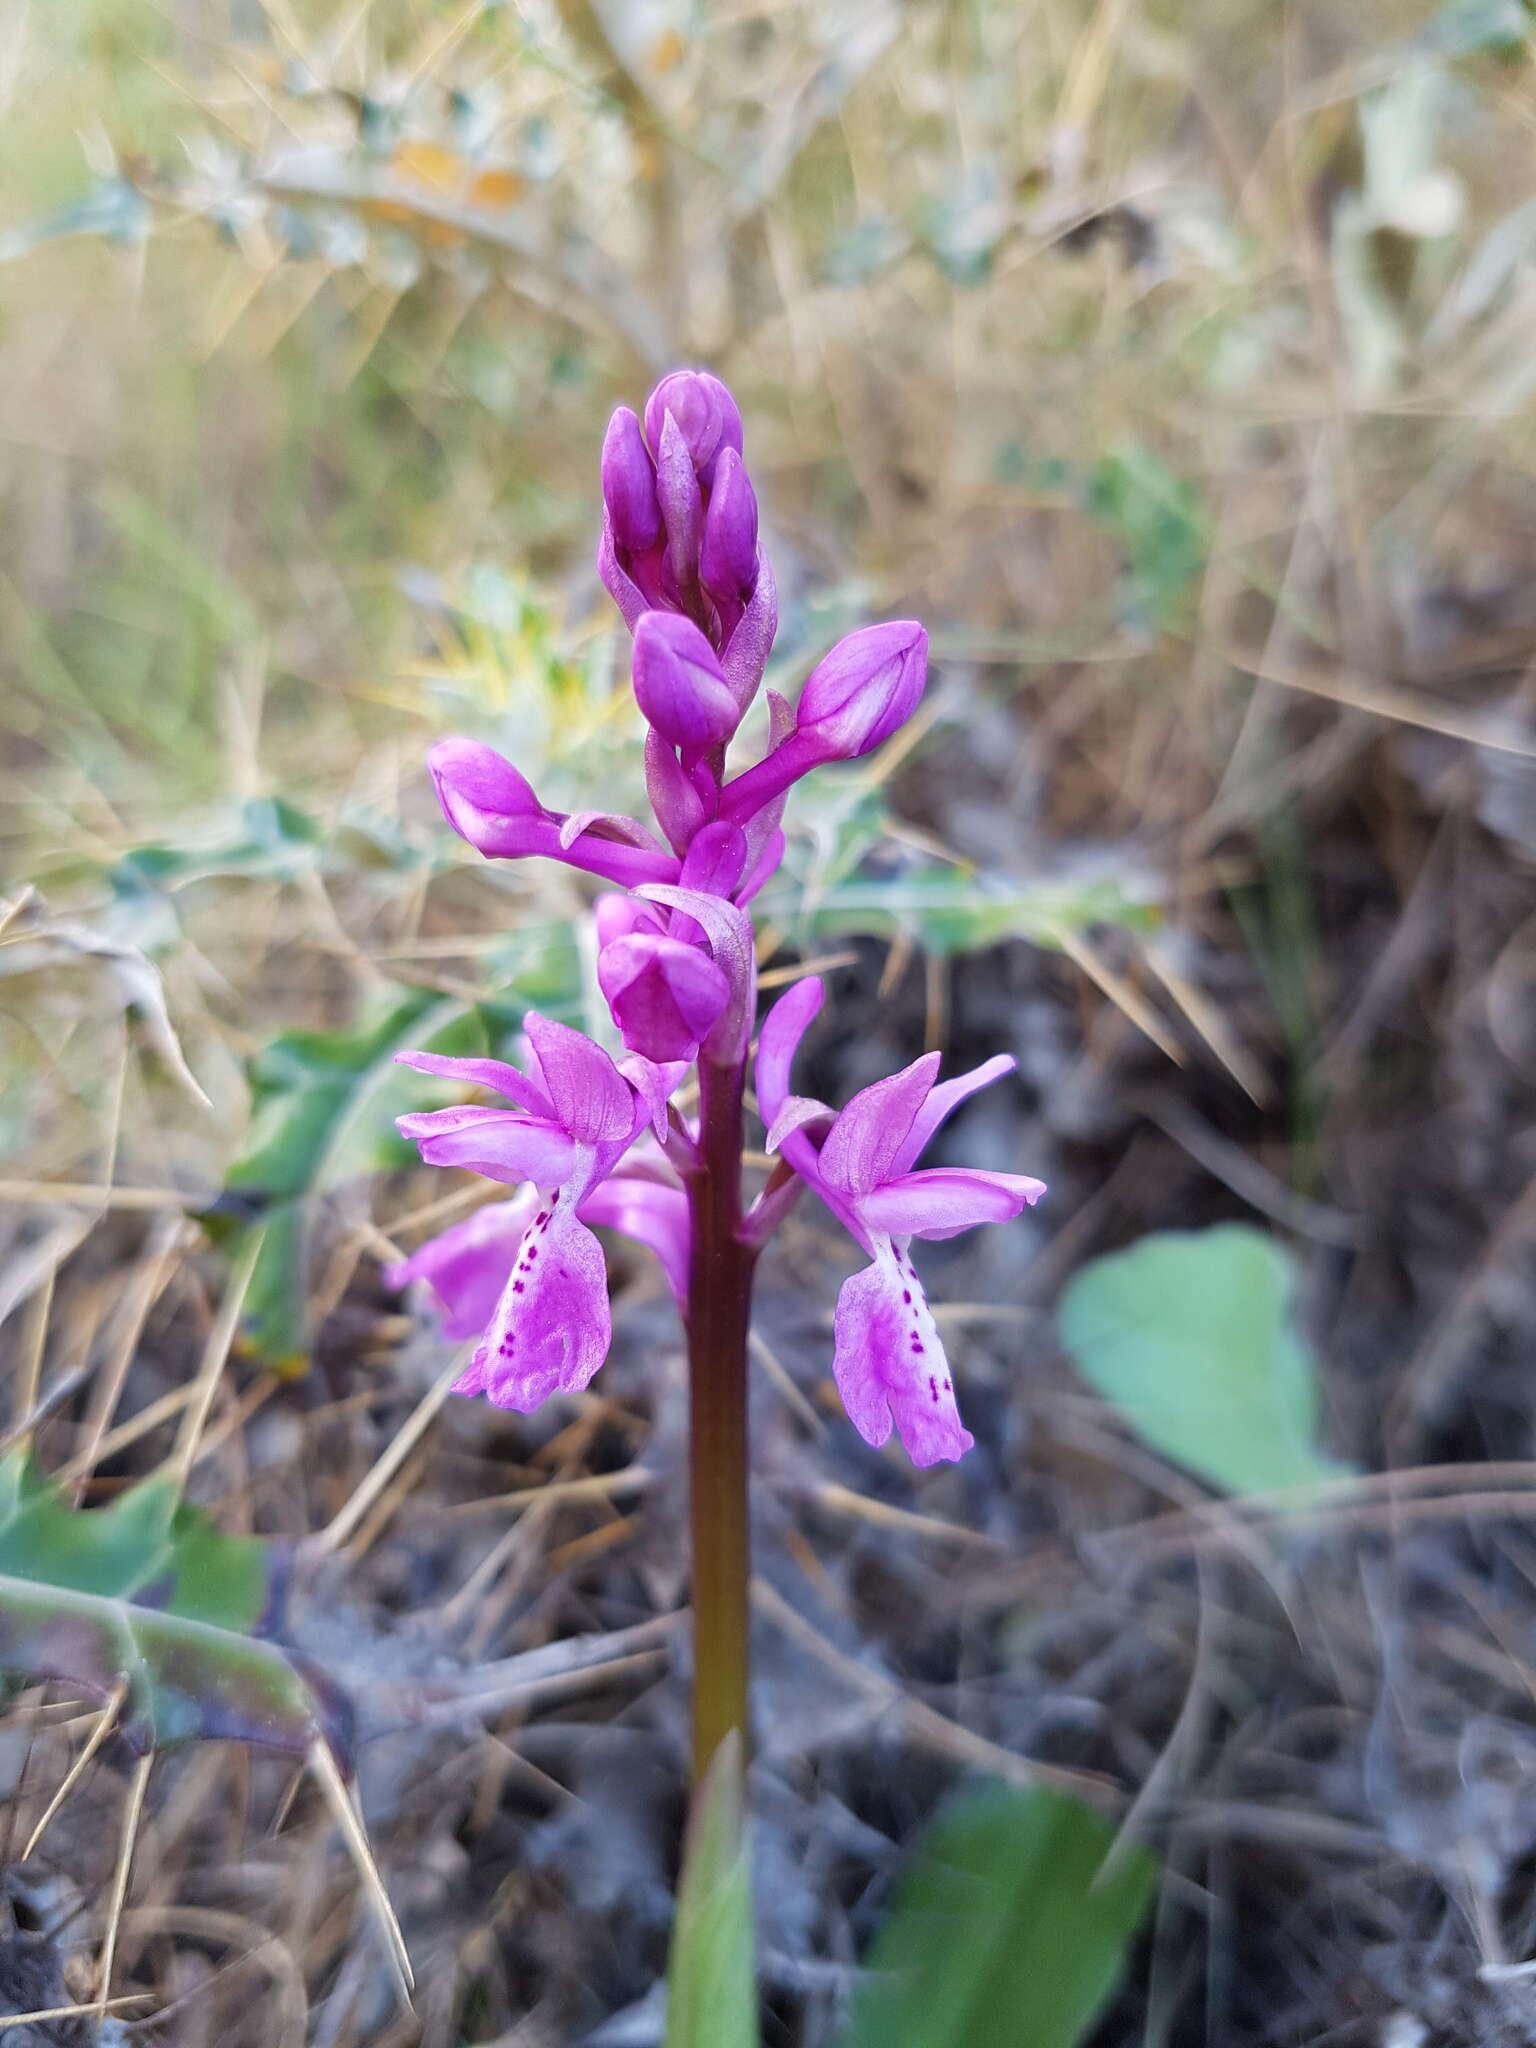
(600, 1141)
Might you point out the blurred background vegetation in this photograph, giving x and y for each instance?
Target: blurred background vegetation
(1174, 364)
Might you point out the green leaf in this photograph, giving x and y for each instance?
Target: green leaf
(1189, 1334)
(1463, 27)
(711, 1991)
(324, 1110)
(1159, 520)
(951, 910)
(113, 209)
(1009, 1928)
(149, 1593)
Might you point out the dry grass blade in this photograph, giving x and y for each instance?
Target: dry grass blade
(133, 1813)
(216, 1352)
(345, 1814)
(405, 1440)
(106, 1721)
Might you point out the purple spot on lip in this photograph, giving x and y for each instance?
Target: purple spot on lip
(907, 1297)
(517, 1287)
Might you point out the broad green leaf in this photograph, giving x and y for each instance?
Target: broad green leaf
(149, 1593)
(1009, 1929)
(1190, 1335)
(711, 1991)
(324, 1110)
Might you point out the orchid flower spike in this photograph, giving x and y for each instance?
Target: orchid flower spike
(888, 1362)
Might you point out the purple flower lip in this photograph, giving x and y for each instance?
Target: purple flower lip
(679, 685)
(548, 1325)
(706, 416)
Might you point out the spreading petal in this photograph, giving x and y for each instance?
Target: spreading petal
(889, 1362)
(493, 1142)
(869, 1132)
(467, 1267)
(497, 1075)
(552, 1325)
(945, 1099)
(778, 1042)
(946, 1200)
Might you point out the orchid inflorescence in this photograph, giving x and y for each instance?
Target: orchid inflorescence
(590, 1139)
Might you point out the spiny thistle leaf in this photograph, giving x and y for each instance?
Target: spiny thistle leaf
(324, 1105)
(149, 1595)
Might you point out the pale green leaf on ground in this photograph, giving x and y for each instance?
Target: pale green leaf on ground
(711, 1988)
(1191, 1336)
(1009, 1929)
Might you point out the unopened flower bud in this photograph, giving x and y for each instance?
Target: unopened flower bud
(864, 690)
(629, 484)
(728, 551)
(705, 413)
(679, 685)
(664, 995)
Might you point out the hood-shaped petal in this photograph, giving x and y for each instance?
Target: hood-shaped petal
(715, 860)
(706, 415)
(552, 1324)
(488, 803)
(890, 1365)
(591, 1098)
(682, 504)
(728, 550)
(629, 484)
(467, 1266)
(945, 1200)
(480, 792)
(494, 1142)
(942, 1103)
(729, 932)
(864, 689)
(653, 1215)
(870, 1129)
(679, 685)
(665, 995)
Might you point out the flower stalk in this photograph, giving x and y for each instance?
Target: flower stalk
(719, 1315)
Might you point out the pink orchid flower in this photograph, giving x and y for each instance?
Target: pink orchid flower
(889, 1362)
(548, 1326)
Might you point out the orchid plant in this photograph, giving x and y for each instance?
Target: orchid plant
(590, 1139)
